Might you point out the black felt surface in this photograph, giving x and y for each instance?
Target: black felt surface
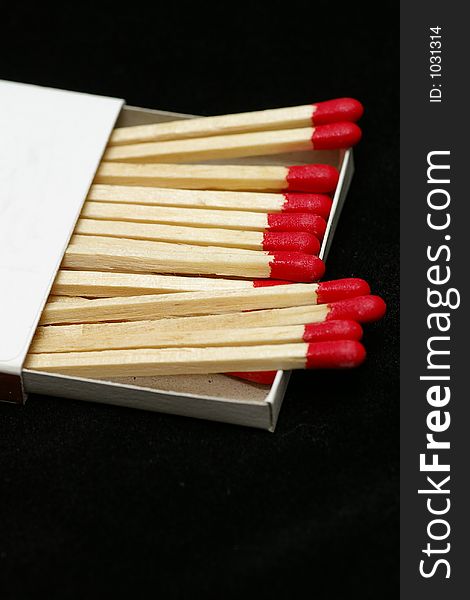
(106, 501)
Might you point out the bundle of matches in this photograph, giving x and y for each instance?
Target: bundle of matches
(279, 327)
(182, 269)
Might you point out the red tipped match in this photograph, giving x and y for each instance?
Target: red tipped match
(343, 354)
(331, 291)
(264, 377)
(296, 241)
(336, 135)
(297, 222)
(318, 204)
(332, 111)
(363, 309)
(332, 330)
(294, 266)
(312, 178)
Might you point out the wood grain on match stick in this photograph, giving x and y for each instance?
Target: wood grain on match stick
(210, 199)
(320, 113)
(107, 284)
(135, 334)
(176, 361)
(196, 217)
(72, 341)
(66, 298)
(104, 284)
(198, 236)
(277, 118)
(214, 337)
(218, 147)
(245, 264)
(191, 217)
(261, 143)
(149, 362)
(121, 259)
(138, 308)
(307, 178)
(104, 241)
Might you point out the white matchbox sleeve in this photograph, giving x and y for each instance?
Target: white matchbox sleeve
(51, 144)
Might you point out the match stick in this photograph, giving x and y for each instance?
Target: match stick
(196, 217)
(320, 113)
(55, 299)
(324, 137)
(102, 284)
(319, 204)
(186, 361)
(144, 246)
(312, 332)
(134, 334)
(314, 178)
(139, 308)
(291, 266)
(297, 241)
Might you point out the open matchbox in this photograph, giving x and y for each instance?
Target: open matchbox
(52, 142)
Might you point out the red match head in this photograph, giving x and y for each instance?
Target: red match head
(341, 354)
(336, 135)
(332, 330)
(312, 178)
(294, 241)
(294, 266)
(318, 204)
(269, 282)
(332, 111)
(264, 377)
(297, 222)
(339, 289)
(363, 309)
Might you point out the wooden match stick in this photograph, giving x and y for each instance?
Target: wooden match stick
(313, 178)
(70, 285)
(134, 334)
(103, 284)
(99, 284)
(290, 266)
(179, 361)
(319, 204)
(262, 143)
(143, 246)
(320, 113)
(296, 241)
(196, 217)
(312, 332)
(64, 298)
(138, 308)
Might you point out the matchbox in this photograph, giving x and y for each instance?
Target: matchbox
(52, 142)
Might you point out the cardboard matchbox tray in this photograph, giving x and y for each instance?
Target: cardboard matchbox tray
(52, 142)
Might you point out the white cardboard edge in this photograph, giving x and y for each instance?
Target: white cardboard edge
(50, 146)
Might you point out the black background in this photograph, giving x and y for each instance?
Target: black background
(104, 500)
